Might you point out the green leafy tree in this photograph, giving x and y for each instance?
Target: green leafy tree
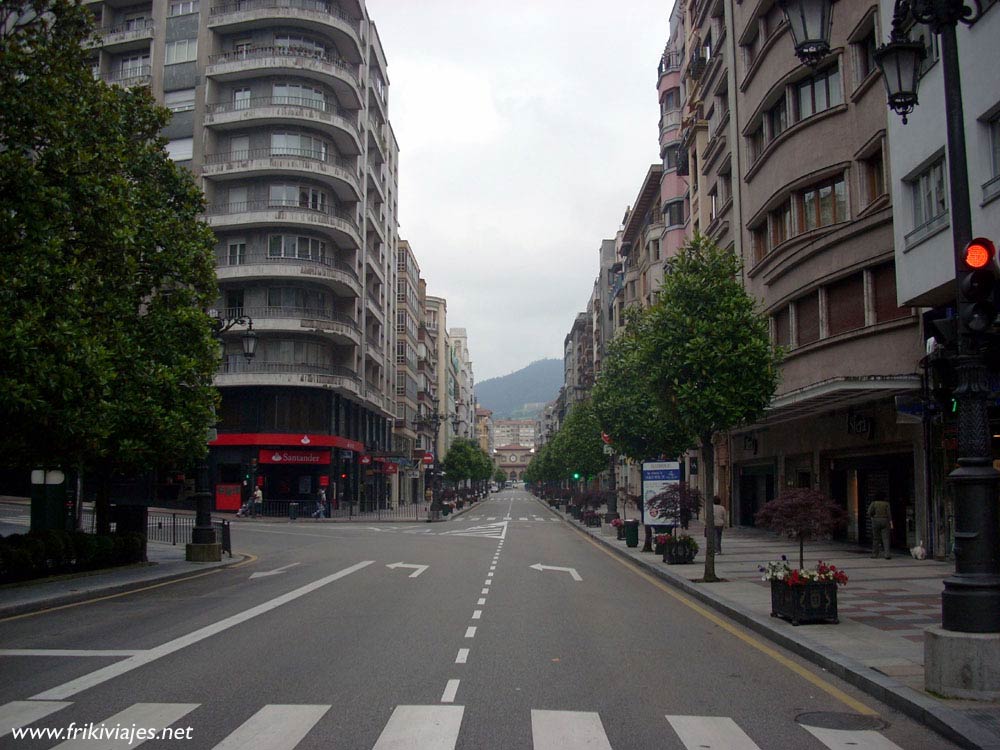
(106, 355)
(461, 462)
(577, 446)
(708, 352)
(500, 476)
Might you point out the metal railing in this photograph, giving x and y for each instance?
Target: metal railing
(344, 511)
(225, 258)
(239, 6)
(264, 204)
(236, 363)
(310, 154)
(302, 53)
(130, 75)
(263, 312)
(320, 105)
(142, 26)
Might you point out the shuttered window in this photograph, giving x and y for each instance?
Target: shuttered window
(845, 303)
(807, 318)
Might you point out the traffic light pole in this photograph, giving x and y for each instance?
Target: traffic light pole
(970, 602)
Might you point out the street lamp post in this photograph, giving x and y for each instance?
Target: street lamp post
(970, 603)
(432, 422)
(204, 547)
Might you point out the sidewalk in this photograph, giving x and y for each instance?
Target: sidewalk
(878, 644)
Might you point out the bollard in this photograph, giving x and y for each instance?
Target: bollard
(293, 511)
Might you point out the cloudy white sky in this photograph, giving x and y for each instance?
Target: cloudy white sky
(525, 129)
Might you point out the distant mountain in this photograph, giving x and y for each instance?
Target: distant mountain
(522, 394)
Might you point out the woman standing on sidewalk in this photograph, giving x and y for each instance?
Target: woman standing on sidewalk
(720, 517)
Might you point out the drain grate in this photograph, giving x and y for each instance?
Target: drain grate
(833, 720)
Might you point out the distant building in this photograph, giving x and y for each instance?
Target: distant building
(515, 432)
(484, 429)
(512, 460)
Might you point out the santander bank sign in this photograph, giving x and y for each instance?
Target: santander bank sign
(283, 456)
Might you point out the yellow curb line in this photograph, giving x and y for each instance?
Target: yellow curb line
(801, 671)
(249, 559)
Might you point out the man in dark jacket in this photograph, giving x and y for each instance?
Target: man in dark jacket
(881, 517)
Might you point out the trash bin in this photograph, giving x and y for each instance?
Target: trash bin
(293, 511)
(632, 532)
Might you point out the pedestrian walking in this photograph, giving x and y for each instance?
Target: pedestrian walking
(320, 511)
(881, 515)
(720, 517)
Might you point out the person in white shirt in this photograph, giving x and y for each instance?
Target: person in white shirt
(721, 519)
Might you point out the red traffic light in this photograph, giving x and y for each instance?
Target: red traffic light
(979, 253)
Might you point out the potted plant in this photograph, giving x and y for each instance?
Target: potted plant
(801, 595)
(619, 526)
(660, 542)
(679, 550)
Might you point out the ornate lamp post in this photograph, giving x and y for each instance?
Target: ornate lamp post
(203, 547)
(809, 22)
(970, 602)
(432, 421)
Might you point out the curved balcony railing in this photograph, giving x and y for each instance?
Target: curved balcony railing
(223, 258)
(319, 105)
(317, 6)
(348, 165)
(265, 312)
(302, 53)
(241, 207)
(236, 364)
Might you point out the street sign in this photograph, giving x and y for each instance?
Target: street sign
(428, 458)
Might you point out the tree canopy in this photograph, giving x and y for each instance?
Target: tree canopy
(466, 460)
(106, 353)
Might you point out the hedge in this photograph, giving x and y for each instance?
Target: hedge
(44, 553)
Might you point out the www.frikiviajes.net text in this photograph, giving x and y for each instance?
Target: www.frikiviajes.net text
(120, 732)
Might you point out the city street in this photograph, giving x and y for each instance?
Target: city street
(503, 628)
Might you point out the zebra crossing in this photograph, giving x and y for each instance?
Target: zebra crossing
(413, 727)
(531, 518)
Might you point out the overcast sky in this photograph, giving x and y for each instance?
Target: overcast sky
(525, 129)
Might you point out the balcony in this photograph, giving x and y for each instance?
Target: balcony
(288, 61)
(137, 75)
(236, 371)
(314, 15)
(336, 224)
(125, 37)
(340, 124)
(669, 63)
(337, 275)
(338, 173)
(335, 327)
(374, 350)
(669, 121)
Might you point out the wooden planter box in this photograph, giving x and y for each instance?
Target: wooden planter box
(678, 554)
(812, 602)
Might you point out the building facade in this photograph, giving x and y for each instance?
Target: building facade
(407, 487)
(512, 460)
(280, 110)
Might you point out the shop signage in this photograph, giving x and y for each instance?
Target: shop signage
(324, 481)
(656, 477)
(391, 468)
(364, 460)
(286, 456)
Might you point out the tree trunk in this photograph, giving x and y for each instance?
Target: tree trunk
(708, 466)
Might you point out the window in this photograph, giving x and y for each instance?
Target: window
(135, 22)
(756, 142)
(845, 303)
(182, 8)
(234, 303)
(864, 55)
(302, 196)
(873, 177)
(298, 144)
(823, 204)
(241, 98)
(300, 45)
(930, 200)
(179, 101)
(295, 93)
(818, 93)
(670, 154)
(291, 246)
(884, 288)
(807, 318)
(777, 119)
(782, 327)
(671, 101)
(134, 65)
(714, 207)
(781, 223)
(183, 50)
(759, 238)
(673, 214)
(236, 251)
(295, 298)
(180, 149)
(994, 128)
(932, 51)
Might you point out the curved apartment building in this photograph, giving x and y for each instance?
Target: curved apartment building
(281, 109)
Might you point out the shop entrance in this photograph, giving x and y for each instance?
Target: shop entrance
(756, 488)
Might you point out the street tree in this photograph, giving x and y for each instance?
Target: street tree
(577, 447)
(106, 353)
(461, 461)
(709, 353)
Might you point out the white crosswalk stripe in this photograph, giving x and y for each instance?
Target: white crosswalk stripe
(146, 715)
(841, 739)
(568, 730)
(489, 531)
(711, 731)
(17, 714)
(433, 727)
(421, 728)
(274, 728)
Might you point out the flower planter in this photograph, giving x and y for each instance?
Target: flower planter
(620, 531)
(678, 554)
(815, 601)
(659, 549)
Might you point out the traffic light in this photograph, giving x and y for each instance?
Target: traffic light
(977, 286)
(576, 475)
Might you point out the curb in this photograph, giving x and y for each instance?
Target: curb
(111, 589)
(947, 722)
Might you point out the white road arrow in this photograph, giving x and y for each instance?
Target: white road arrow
(417, 569)
(274, 572)
(571, 571)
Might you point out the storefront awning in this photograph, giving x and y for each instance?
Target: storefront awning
(835, 393)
